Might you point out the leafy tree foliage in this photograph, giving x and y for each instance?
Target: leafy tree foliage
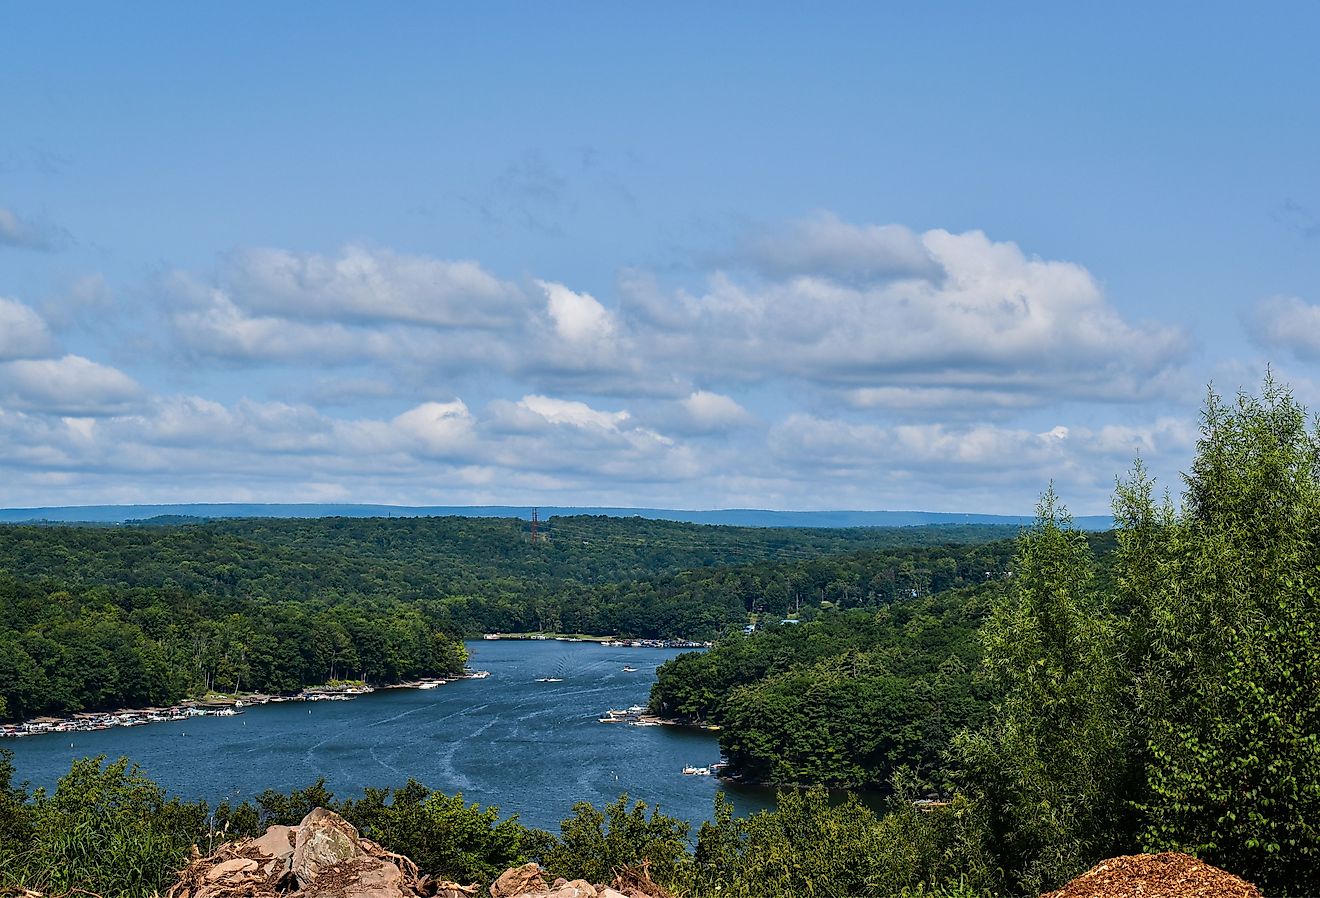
(1231, 688)
(106, 829)
(845, 699)
(595, 845)
(1042, 782)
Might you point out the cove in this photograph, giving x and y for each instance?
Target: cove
(528, 747)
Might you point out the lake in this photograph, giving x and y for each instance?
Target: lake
(529, 748)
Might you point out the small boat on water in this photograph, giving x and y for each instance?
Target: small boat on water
(549, 679)
(696, 771)
(629, 669)
(430, 684)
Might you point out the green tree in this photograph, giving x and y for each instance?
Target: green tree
(1039, 786)
(1230, 687)
(595, 845)
(442, 835)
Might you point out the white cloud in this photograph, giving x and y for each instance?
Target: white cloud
(370, 285)
(576, 414)
(71, 385)
(885, 367)
(998, 322)
(578, 318)
(23, 333)
(944, 399)
(182, 444)
(992, 327)
(1288, 323)
(709, 412)
(440, 429)
(976, 465)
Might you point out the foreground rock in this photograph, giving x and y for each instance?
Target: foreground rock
(324, 856)
(1168, 875)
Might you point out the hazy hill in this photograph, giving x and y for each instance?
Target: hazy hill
(742, 517)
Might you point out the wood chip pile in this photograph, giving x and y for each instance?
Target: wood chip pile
(1168, 875)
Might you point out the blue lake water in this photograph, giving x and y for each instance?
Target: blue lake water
(529, 748)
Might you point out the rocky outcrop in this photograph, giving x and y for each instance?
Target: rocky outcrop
(324, 856)
(1168, 875)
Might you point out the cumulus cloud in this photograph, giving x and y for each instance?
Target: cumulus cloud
(182, 441)
(71, 385)
(371, 285)
(887, 366)
(943, 458)
(579, 319)
(1288, 323)
(882, 316)
(23, 333)
(997, 321)
(439, 429)
(574, 414)
(707, 412)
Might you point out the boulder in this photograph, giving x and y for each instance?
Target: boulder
(276, 842)
(235, 867)
(324, 839)
(358, 877)
(518, 881)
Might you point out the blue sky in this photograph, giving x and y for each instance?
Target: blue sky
(690, 255)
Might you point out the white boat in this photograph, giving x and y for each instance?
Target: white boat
(549, 679)
(696, 771)
(430, 684)
(630, 669)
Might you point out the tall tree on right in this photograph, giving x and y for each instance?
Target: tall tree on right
(1228, 686)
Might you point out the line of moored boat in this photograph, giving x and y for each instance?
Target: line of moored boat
(92, 721)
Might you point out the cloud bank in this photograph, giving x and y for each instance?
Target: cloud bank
(821, 364)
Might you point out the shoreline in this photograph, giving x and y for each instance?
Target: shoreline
(222, 706)
(609, 641)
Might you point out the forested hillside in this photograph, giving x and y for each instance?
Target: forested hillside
(94, 617)
(336, 557)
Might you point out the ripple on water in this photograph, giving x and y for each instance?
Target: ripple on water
(530, 748)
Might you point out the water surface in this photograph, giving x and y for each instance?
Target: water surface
(529, 748)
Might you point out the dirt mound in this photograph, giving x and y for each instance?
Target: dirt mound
(1168, 875)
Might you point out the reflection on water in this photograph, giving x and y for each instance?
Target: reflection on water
(531, 748)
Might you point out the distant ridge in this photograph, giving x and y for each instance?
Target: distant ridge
(741, 517)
